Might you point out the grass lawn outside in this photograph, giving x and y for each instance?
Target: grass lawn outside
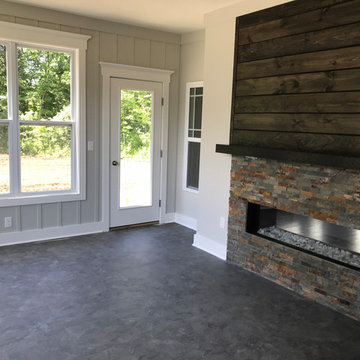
(4, 173)
(38, 173)
(46, 173)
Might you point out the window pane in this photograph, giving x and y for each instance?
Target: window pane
(44, 85)
(199, 91)
(198, 112)
(3, 84)
(135, 145)
(191, 112)
(193, 164)
(45, 158)
(4, 159)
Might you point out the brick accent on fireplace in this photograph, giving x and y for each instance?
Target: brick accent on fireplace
(326, 194)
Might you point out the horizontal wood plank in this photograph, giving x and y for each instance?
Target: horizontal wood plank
(337, 37)
(345, 58)
(342, 80)
(348, 124)
(322, 143)
(300, 103)
(288, 9)
(337, 161)
(322, 18)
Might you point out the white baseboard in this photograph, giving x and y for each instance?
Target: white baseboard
(181, 219)
(21, 237)
(186, 221)
(210, 246)
(169, 218)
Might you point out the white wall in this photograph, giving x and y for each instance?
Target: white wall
(214, 167)
(110, 42)
(191, 69)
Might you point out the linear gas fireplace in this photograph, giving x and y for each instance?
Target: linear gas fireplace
(320, 238)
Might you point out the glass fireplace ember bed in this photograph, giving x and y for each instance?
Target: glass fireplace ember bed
(329, 241)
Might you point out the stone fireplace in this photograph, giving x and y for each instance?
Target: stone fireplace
(326, 194)
(295, 146)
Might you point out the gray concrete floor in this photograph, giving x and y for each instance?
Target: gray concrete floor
(146, 293)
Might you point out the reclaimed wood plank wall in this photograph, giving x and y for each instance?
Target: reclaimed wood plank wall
(297, 78)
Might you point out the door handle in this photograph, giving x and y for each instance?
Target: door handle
(115, 163)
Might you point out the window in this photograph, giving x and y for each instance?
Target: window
(42, 115)
(193, 118)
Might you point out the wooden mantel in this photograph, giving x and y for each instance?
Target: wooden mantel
(337, 161)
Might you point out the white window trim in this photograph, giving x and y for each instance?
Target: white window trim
(189, 85)
(76, 44)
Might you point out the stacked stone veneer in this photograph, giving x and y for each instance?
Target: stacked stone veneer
(331, 195)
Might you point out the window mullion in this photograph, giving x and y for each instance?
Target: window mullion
(46, 122)
(14, 129)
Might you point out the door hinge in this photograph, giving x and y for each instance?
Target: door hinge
(162, 101)
(161, 153)
(159, 203)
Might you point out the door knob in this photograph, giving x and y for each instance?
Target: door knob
(115, 163)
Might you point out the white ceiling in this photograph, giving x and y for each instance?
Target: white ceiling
(179, 16)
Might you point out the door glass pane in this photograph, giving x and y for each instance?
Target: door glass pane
(135, 147)
(45, 158)
(3, 84)
(4, 159)
(44, 84)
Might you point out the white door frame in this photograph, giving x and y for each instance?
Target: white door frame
(109, 70)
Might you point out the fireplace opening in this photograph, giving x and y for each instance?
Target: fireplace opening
(320, 238)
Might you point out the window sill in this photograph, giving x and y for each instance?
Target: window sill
(194, 191)
(40, 199)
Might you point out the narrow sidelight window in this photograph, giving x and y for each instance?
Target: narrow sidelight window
(194, 103)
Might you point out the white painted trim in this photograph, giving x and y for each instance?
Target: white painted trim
(186, 221)
(181, 219)
(135, 72)
(169, 218)
(80, 116)
(40, 36)
(28, 236)
(105, 178)
(210, 246)
(43, 198)
(164, 147)
(109, 70)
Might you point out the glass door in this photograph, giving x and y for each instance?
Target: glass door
(135, 151)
